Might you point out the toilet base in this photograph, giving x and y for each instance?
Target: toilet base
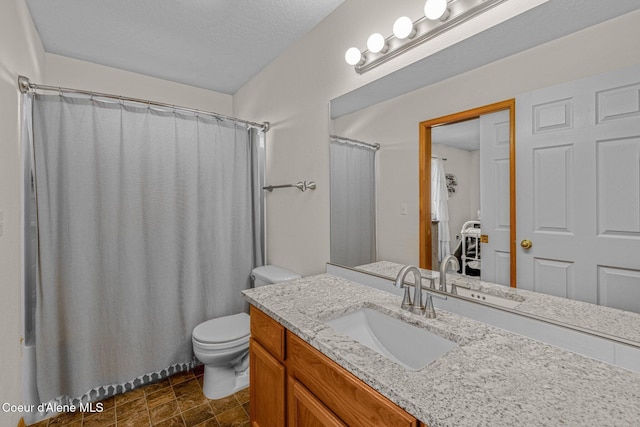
(222, 382)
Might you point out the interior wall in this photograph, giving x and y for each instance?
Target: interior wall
(22, 54)
(394, 123)
(293, 93)
(74, 73)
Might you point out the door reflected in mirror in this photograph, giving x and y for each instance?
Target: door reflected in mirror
(479, 142)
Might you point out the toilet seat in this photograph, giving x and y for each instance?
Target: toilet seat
(222, 332)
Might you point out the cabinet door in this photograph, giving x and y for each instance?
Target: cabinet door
(305, 410)
(340, 391)
(267, 391)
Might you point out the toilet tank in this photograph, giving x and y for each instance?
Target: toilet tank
(268, 274)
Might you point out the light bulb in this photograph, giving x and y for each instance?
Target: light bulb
(403, 27)
(353, 56)
(435, 9)
(375, 42)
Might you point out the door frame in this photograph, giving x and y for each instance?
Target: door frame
(425, 176)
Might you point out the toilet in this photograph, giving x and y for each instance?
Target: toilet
(222, 344)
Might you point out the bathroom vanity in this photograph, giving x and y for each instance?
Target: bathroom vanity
(306, 372)
(317, 391)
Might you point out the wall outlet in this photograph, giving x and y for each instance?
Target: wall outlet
(403, 209)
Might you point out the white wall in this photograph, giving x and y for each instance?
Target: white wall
(394, 123)
(22, 53)
(293, 93)
(73, 73)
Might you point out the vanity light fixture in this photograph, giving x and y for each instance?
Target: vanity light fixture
(376, 43)
(403, 28)
(436, 9)
(440, 16)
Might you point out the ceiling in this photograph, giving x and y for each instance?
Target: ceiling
(213, 44)
(463, 135)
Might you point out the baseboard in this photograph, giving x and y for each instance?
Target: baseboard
(21, 423)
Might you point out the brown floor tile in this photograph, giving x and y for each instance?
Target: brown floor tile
(173, 402)
(171, 422)
(157, 386)
(201, 381)
(209, 423)
(102, 419)
(66, 419)
(198, 415)
(198, 370)
(242, 395)
(164, 412)
(159, 397)
(246, 407)
(182, 376)
(233, 418)
(108, 403)
(187, 387)
(222, 405)
(42, 423)
(138, 420)
(189, 401)
(129, 396)
(130, 409)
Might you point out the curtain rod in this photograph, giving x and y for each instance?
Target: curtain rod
(355, 141)
(25, 85)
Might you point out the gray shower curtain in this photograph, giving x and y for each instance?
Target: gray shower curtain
(149, 223)
(353, 204)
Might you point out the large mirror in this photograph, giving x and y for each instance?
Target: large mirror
(570, 210)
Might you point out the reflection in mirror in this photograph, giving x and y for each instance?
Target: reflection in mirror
(578, 157)
(353, 210)
(486, 215)
(455, 163)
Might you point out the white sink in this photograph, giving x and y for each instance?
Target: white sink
(408, 345)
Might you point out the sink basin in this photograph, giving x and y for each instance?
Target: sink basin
(408, 345)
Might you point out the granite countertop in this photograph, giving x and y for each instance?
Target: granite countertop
(493, 377)
(596, 318)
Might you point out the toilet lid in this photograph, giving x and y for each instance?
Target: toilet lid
(223, 329)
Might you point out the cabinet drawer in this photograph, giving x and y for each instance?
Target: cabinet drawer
(350, 399)
(268, 332)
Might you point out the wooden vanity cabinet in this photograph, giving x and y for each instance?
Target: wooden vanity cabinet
(318, 391)
(267, 374)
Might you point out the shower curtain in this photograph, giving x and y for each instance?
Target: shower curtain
(353, 206)
(149, 223)
(440, 207)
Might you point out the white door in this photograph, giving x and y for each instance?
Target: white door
(578, 189)
(494, 197)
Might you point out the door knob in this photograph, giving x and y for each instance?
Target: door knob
(526, 244)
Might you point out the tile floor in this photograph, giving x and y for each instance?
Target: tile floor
(177, 401)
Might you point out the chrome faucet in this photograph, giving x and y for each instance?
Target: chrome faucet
(449, 259)
(417, 307)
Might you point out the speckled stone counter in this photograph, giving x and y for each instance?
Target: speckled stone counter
(493, 377)
(596, 318)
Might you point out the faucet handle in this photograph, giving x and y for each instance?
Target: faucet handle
(429, 310)
(406, 300)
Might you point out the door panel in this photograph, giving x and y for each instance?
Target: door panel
(495, 196)
(578, 196)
